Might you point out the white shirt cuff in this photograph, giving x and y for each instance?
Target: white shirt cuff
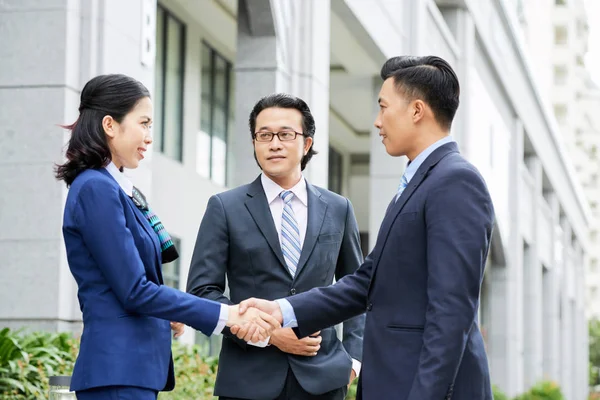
(223, 317)
(262, 343)
(356, 365)
(287, 311)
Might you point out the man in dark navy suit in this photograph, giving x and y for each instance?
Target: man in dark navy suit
(277, 236)
(421, 283)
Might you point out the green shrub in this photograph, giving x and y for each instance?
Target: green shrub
(498, 394)
(194, 374)
(543, 391)
(26, 362)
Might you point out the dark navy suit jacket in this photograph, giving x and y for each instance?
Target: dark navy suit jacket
(420, 287)
(238, 239)
(115, 258)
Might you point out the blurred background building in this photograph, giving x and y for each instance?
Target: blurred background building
(527, 106)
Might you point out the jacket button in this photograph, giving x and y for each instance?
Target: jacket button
(293, 291)
(369, 306)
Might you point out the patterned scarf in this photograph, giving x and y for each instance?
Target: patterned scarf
(168, 251)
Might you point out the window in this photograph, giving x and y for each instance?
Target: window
(593, 236)
(560, 2)
(593, 205)
(216, 115)
(593, 265)
(168, 97)
(335, 171)
(171, 271)
(560, 74)
(560, 35)
(560, 111)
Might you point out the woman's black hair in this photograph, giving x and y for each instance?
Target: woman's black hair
(115, 95)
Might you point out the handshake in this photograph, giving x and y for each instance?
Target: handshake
(253, 320)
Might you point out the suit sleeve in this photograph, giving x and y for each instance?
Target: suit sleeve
(459, 218)
(100, 218)
(349, 260)
(208, 270)
(328, 306)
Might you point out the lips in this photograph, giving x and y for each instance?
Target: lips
(275, 158)
(141, 151)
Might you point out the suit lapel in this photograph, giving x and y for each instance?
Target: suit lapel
(395, 209)
(317, 207)
(146, 226)
(258, 207)
(142, 220)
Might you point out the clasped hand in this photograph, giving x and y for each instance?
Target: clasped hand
(252, 323)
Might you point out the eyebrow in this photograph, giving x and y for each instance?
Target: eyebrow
(263, 128)
(146, 117)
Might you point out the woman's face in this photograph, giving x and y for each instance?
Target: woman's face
(129, 139)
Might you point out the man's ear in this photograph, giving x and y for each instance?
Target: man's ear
(418, 110)
(308, 142)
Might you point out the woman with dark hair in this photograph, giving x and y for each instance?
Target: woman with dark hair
(115, 246)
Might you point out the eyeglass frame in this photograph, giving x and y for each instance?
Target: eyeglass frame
(273, 134)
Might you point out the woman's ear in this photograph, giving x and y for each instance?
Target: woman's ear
(108, 124)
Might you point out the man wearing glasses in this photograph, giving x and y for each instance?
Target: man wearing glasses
(275, 237)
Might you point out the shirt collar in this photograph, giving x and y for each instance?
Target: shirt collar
(272, 190)
(121, 179)
(414, 165)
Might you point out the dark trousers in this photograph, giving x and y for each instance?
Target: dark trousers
(293, 391)
(117, 393)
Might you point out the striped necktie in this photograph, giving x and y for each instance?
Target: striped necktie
(290, 233)
(403, 184)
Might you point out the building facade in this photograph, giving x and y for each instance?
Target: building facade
(207, 62)
(556, 36)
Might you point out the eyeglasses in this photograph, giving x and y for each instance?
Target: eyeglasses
(284, 136)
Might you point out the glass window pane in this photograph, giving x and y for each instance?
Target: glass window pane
(206, 79)
(220, 121)
(159, 79)
(174, 90)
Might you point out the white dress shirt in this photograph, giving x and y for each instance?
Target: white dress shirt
(300, 207)
(299, 204)
(127, 186)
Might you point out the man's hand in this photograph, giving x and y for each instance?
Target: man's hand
(286, 340)
(254, 325)
(178, 328)
(270, 307)
(352, 377)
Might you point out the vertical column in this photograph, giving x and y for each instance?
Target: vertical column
(282, 46)
(510, 369)
(258, 72)
(34, 100)
(580, 327)
(551, 315)
(533, 290)
(310, 76)
(566, 322)
(461, 24)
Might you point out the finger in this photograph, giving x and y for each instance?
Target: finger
(242, 331)
(259, 335)
(311, 352)
(253, 333)
(272, 321)
(261, 321)
(244, 305)
(234, 329)
(316, 334)
(311, 341)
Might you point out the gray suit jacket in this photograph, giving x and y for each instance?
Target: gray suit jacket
(237, 239)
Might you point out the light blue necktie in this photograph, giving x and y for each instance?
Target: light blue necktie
(290, 233)
(403, 184)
